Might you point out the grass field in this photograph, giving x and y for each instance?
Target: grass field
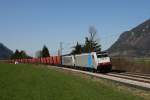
(32, 82)
(143, 61)
(141, 65)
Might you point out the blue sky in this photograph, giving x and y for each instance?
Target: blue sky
(29, 24)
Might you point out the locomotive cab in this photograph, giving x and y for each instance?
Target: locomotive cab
(104, 62)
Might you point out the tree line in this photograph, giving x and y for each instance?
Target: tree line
(91, 44)
(19, 54)
(22, 54)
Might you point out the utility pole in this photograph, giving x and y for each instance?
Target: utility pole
(60, 51)
(61, 48)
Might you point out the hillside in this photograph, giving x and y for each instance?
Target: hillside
(5, 53)
(133, 43)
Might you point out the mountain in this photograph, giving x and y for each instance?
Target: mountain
(5, 53)
(133, 43)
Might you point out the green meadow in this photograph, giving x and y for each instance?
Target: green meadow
(32, 82)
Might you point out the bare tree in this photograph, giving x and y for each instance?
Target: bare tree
(91, 43)
(94, 44)
(38, 54)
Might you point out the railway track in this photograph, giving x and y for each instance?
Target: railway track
(138, 73)
(131, 77)
(142, 76)
(141, 81)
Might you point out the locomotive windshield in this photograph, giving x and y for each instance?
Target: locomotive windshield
(102, 55)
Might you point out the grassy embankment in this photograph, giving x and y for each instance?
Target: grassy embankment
(32, 82)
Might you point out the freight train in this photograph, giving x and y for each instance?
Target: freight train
(92, 61)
